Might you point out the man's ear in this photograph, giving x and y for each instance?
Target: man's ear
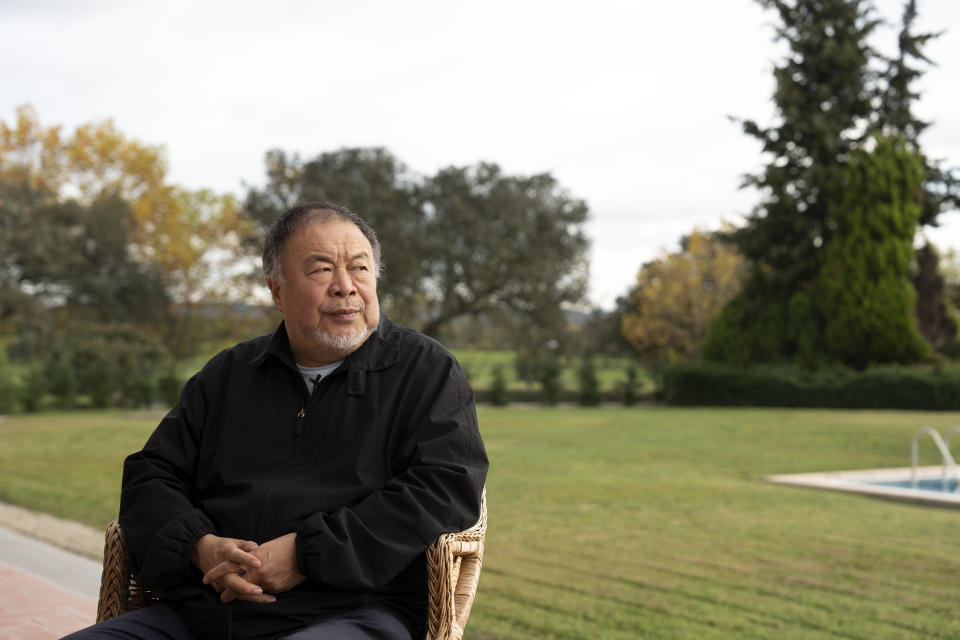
(274, 287)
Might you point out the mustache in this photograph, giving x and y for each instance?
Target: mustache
(340, 308)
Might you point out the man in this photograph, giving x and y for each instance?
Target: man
(294, 489)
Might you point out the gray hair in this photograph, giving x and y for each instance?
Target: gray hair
(299, 216)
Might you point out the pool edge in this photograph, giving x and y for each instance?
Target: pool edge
(855, 481)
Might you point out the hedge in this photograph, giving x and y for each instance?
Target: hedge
(924, 388)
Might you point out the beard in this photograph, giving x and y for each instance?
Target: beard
(343, 342)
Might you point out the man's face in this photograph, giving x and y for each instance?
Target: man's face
(329, 295)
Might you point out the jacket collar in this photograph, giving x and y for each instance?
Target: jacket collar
(380, 350)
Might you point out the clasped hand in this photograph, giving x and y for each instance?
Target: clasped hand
(244, 570)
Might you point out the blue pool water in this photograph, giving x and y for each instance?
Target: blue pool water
(934, 484)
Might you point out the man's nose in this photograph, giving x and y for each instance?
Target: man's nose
(342, 284)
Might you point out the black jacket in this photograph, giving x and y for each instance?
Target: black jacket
(383, 457)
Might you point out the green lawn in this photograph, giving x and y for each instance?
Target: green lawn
(637, 523)
(69, 464)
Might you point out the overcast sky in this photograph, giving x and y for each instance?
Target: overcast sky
(625, 103)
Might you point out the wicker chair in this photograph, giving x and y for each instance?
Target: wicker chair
(453, 568)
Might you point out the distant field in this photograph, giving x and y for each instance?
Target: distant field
(636, 523)
(480, 367)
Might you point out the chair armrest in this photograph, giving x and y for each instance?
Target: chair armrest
(119, 592)
(114, 592)
(453, 568)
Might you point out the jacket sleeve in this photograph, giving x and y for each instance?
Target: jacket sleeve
(365, 545)
(157, 512)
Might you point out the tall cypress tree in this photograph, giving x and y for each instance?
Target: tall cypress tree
(823, 100)
(863, 292)
(896, 118)
(832, 98)
(823, 104)
(941, 191)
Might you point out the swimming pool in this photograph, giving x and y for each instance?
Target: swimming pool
(891, 484)
(947, 485)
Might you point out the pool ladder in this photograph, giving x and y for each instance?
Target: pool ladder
(944, 447)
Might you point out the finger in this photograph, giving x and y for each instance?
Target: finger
(229, 595)
(218, 585)
(263, 598)
(247, 545)
(221, 570)
(240, 556)
(234, 582)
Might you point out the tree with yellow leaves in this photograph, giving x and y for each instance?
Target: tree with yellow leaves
(100, 255)
(678, 294)
(174, 228)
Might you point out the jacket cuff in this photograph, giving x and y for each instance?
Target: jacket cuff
(303, 563)
(196, 525)
(167, 563)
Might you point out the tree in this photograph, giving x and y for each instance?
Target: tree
(73, 256)
(93, 229)
(467, 243)
(896, 118)
(99, 257)
(512, 245)
(77, 300)
(26, 245)
(173, 228)
(858, 309)
(547, 371)
(824, 105)
(376, 185)
(831, 102)
(589, 391)
(627, 387)
(936, 319)
(669, 311)
(114, 361)
(499, 393)
(94, 271)
(941, 186)
(600, 334)
(863, 296)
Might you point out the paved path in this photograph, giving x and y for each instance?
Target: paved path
(45, 592)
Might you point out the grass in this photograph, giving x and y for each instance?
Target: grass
(627, 523)
(69, 464)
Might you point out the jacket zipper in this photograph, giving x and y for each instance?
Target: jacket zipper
(297, 435)
(298, 430)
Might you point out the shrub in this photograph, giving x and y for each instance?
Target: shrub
(11, 388)
(97, 379)
(890, 387)
(141, 391)
(628, 386)
(589, 385)
(498, 394)
(548, 376)
(61, 375)
(35, 395)
(168, 388)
